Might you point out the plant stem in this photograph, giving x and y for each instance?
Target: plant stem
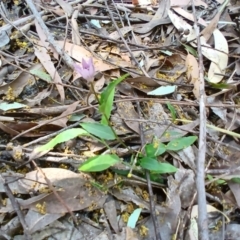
(104, 114)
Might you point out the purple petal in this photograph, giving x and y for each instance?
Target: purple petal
(87, 69)
(91, 64)
(85, 64)
(78, 68)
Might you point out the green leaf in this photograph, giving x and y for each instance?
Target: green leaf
(42, 75)
(163, 90)
(76, 117)
(181, 143)
(9, 106)
(165, 168)
(190, 50)
(172, 110)
(155, 149)
(99, 130)
(221, 85)
(236, 180)
(99, 163)
(106, 99)
(62, 137)
(134, 218)
(218, 181)
(166, 52)
(152, 164)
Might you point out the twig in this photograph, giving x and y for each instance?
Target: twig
(200, 179)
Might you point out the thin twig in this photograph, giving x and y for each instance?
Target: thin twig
(200, 179)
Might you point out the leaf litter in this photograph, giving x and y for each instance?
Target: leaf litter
(116, 156)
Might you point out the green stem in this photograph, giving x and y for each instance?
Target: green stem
(104, 114)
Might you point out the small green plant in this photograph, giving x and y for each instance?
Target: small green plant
(100, 131)
(155, 149)
(103, 132)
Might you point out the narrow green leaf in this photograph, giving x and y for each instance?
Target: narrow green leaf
(99, 130)
(165, 168)
(5, 106)
(181, 143)
(163, 90)
(172, 134)
(106, 99)
(218, 181)
(152, 164)
(132, 221)
(221, 85)
(167, 52)
(236, 180)
(191, 50)
(155, 149)
(149, 163)
(172, 110)
(62, 137)
(42, 75)
(99, 163)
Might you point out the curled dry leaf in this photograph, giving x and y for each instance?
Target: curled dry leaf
(219, 67)
(70, 187)
(126, 110)
(45, 59)
(193, 73)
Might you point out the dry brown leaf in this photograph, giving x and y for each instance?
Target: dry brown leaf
(217, 69)
(119, 126)
(126, 110)
(76, 38)
(128, 195)
(115, 35)
(70, 187)
(192, 68)
(44, 41)
(53, 174)
(16, 86)
(98, 85)
(12, 178)
(235, 188)
(111, 213)
(143, 84)
(38, 98)
(66, 7)
(193, 73)
(208, 30)
(188, 15)
(62, 122)
(45, 59)
(130, 234)
(143, 16)
(185, 3)
(16, 128)
(78, 53)
(37, 221)
(8, 130)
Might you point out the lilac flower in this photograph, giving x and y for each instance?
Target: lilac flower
(87, 69)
